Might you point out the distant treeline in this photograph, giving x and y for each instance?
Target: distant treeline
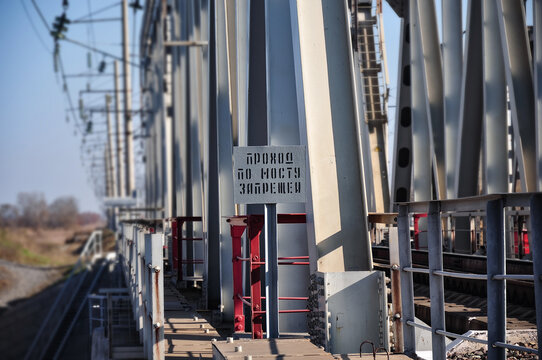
(33, 211)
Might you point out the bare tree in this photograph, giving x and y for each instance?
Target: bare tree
(9, 215)
(32, 209)
(63, 212)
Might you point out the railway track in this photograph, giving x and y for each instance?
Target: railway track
(466, 304)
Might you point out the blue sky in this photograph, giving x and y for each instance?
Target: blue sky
(38, 148)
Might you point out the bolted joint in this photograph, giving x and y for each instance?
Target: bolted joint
(395, 267)
(149, 266)
(156, 325)
(397, 316)
(156, 269)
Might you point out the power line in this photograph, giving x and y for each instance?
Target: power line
(41, 15)
(98, 11)
(67, 91)
(34, 27)
(97, 50)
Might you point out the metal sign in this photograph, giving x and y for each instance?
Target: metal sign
(269, 174)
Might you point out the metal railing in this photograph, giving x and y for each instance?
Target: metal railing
(401, 262)
(141, 254)
(50, 325)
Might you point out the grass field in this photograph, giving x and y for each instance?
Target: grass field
(41, 247)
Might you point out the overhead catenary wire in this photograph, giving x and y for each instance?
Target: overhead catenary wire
(34, 28)
(91, 48)
(99, 11)
(38, 10)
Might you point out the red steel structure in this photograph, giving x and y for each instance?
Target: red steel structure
(177, 238)
(254, 224)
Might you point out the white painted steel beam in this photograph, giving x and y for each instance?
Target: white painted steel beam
(194, 229)
(519, 78)
(336, 208)
(471, 117)
(421, 142)
(179, 81)
(402, 149)
(431, 66)
(495, 109)
(224, 155)
(169, 195)
(452, 65)
(283, 129)
(242, 18)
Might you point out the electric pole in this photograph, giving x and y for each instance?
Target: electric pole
(110, 155)
(128, 127)
(120, 161)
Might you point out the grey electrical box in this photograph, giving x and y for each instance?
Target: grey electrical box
(347, 309)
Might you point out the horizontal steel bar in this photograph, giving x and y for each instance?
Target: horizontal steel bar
(515, 347)
(191, 239)
(283, 263)
(463, 337)
(291, 218)
(186, 43)
(243, 259)
(386, 266)
(286, 311)
(420, 326)
(193, 278)
(460, 275)
(293, 257)
(416, 270)
(514, 277)
(283, 297)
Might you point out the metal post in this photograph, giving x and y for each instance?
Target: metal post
(436, 283)
(239, 317)
(255, 224)
(128, 134)
(120, 159)
(271, 272)
(397, 311)
(110, 325)
(110, 154)
(283, 129)
(407, 287)
(536, 250)
(496, 289)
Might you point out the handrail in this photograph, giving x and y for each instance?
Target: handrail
(495, 209)
(35, 351)
(79, 310)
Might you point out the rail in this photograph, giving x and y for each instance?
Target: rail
(401, 263)
(50, 325)
(141, 251)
